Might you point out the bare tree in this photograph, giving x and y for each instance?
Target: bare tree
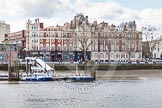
(151, 39)
(129, 48)
(84, 42)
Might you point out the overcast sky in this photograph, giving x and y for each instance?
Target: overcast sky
(53, 12)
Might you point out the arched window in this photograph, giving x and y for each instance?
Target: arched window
(65, 47)
(112, 55)
(96, 55)
(101, 55)
(117, 55)
(53, 47)
(59, 47)
(123, 55)
(47, 47)
(71, 47)
(41, 47)
(106, 56)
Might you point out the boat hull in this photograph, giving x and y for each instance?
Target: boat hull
(80, 79)
(37, 79)
(3, 77)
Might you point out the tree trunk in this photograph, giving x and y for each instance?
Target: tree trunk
(109, 57)
(85, 62)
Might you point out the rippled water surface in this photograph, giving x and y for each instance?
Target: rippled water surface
(144, 93)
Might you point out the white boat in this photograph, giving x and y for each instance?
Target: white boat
(39, 72)
(4, 76)
(37, 77)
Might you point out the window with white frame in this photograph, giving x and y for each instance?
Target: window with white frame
(47, 35)
(41, 47)
(53, 47)
(70, 47)
(41, 34)
(59, 34)
(53, 34)
(96, 55)
(117, 55)
(64, 35)
(34, 35)
(35, 41)
(101, 47)
(123, 55)
(47, 47)
(59, 47)
(101, 55)
(112, 55)
(107, 55)
(65, 47)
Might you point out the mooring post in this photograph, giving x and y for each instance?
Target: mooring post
(9, 66)
(16, 70)
(9, 72)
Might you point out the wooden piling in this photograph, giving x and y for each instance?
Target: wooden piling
(9, 66)
(16, 70)
(9, 72)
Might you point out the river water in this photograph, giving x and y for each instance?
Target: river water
(144, 93)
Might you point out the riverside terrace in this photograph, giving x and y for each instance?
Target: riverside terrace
(132, 62)
(99, 67)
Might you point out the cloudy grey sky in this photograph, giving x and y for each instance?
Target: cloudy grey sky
(53, 12)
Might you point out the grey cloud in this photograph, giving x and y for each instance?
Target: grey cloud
(109, 17)
(119, 11)
(113, 14)
(136, 17)
(43, 8)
